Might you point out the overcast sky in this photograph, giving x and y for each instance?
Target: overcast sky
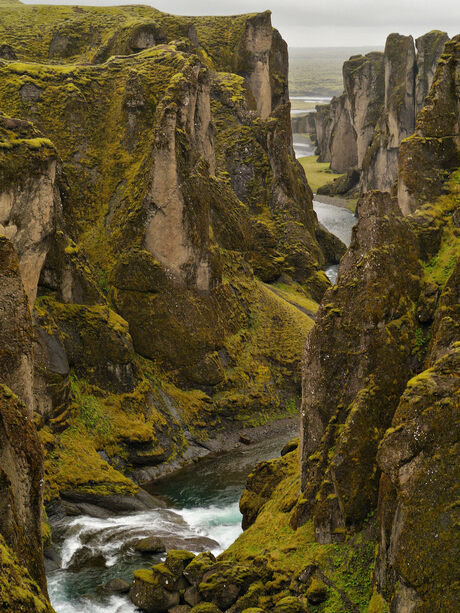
(323, 23)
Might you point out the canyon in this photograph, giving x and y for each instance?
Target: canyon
(163, 298)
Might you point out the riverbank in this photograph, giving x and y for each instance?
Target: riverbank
(200, 512)
(343, 203)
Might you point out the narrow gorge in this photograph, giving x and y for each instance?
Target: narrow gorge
(172, 297)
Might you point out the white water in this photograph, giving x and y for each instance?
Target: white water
(203, 515)
(338, 221)
(303, 146)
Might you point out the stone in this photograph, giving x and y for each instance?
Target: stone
(150, 544)
(317, 592)
(149, 593)
(290, 446)
(118, 586)
(180, 608)
(192, 596)
(290, 604)
(205, 607)
(177, 561)
(7, 52)
(195, 570)
(85, 557)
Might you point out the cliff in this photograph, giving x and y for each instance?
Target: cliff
(304, 124)
(383, 95)
(369, 523)
(433, 151)
(165, 236)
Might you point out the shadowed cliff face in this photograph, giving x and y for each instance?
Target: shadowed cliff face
(21, 457)
(383, 95)
(380, 368)
(166, 204)
(433, 151)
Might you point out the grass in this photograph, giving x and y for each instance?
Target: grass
(317, 173)
(317, 71)
(302, 105)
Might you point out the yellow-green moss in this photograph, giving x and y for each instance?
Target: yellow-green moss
(348, 565)
(18, 592)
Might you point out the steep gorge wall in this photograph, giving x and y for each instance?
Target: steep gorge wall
(26, 154)
(383, 95)
(369, 524)
(373, 438)
(172, 236)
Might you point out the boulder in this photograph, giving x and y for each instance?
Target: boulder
(195, 570)
(150, 544)
(118, 586)
(291, 604)
(150, 590)
(177, 561)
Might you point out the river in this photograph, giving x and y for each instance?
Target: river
(202, 509)
(202, 514)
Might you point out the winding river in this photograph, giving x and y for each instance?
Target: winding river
(202, 513)
(201, 510)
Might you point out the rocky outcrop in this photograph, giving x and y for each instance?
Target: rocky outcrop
(397, 121)
(304, 124)
(383, 95)
(340, 489)
(429, 47)
(432, 152)
(416, 510)
(21, 458)
(373, 439)
(27, 197)
(177, 203)
(335, 136)
(363, 78)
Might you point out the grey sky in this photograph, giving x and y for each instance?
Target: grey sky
(324, 23)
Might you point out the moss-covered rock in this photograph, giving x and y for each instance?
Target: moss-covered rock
(417, 458)
(18, 591)
(260, 485)
(205, 607)
(177, 561)
(153, 591)
(290, 604)
(429, 156)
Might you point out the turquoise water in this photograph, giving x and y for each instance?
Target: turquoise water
(202, 514)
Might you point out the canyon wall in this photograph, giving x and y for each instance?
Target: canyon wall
(369, 521)
(27, 214)
(383, 95)
(372, 440)
(165, 239)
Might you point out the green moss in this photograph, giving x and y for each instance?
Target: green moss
(348, 565)
(18, 592)
(378, 604)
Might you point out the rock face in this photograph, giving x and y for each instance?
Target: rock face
(27, 199)
(383, 95)
(341, 488)
(335, 136)
(379, 442)
(363, 78)
(376, 375)
(429, 49)
(380, 167)
(165, 234)
(21, 457)
(432, 152)
(304, 124)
